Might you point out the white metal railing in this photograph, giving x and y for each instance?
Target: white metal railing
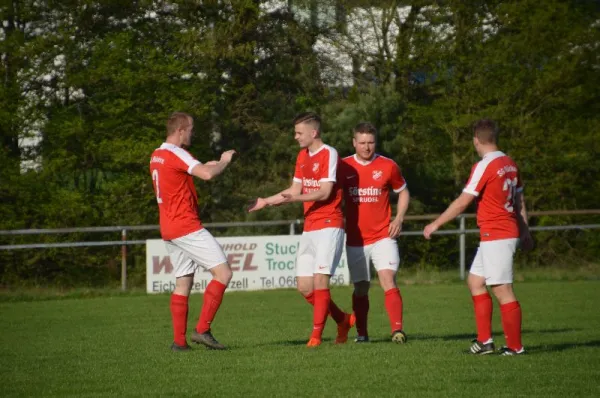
(124, 242)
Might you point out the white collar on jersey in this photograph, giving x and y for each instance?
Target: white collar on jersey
(317, 151)
(363, 162)
(166, 145)
(493, 154)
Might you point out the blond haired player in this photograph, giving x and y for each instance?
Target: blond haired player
(188, 243)
(496, 184)
(368, 180)
(321, 243)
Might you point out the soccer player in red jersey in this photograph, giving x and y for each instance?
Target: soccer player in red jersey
(188, 243)
(321, 243)
(496, 184)
(368, 179)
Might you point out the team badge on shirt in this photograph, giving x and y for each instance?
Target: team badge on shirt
(315, 167)
(377, 174)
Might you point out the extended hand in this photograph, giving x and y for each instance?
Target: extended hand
(257, 204)
(227, 155)
(430, 229)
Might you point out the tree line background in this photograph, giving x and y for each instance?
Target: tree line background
(87, 86)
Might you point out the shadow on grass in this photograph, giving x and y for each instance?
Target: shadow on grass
(450, 337)
(471, 336)
(561, 346)
(293, 342)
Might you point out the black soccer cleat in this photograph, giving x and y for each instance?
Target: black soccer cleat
(180, 348)
(507, 352)
(478, 348)
(206, 339)
(361, 339)
(398, 336)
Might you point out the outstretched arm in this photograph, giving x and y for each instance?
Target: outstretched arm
(457, 207)
(323, 193)
(278, 198)
(210, 170)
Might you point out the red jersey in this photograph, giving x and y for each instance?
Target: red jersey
(311, 170)
(495, 180)
(367, 188)
(171, 168)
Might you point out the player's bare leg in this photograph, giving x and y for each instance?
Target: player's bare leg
(482, 304)
(510, 310)
(393, 303)
(360, 307)
(476, 284)
(306, 286)
(213, 296)
(504, 293)
(179, 311)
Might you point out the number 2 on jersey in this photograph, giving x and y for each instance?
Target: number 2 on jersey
(510, 185)
(155, 180)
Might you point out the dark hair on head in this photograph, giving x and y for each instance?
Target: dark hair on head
(309, 117)
(176, 121)
(365, 128)
(486, 131)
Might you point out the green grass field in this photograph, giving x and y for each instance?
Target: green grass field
(119, 346)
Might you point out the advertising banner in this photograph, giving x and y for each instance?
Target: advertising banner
(258, 263)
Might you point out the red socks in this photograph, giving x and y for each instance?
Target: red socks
(360, 306)
(179, 314)
(482, 304)
(511, 320)
(511, 323)
(310, 298)
(213, 296)
(179, 311)
(322, 299)
(393, 306)
(336, 313)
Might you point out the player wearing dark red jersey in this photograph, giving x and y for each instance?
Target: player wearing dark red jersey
(188, 243)
(496, 185)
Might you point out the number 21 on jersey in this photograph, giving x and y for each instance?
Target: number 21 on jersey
(510, 185)
(155, 180)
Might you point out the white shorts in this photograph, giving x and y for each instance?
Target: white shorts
(319, 251)
(383, 253)
(494, 261)
(198, 249)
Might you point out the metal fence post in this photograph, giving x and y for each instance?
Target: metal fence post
(462, 243)
(124, 260)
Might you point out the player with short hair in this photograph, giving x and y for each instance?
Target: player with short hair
(188, 243)
(368, 179)
(495, 183)
(321, 243)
